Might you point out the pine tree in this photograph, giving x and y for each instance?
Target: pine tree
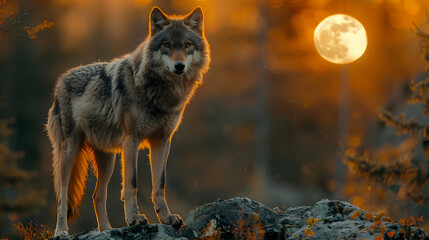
(17, 198)
(403, 168)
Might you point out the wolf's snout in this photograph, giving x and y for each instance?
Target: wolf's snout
(180, 66)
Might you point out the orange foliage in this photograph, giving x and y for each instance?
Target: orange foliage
(410, 221)
(391, 234)
(309, 230)
(356, 214)
(312, 221)
(32, 31)
(209, 233)
(376, 226)
(388, 219)
(369, 216)
(251, 228)
(33, 231)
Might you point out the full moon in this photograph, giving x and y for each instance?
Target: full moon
(340, 39)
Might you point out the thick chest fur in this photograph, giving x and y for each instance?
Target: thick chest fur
(149, 125)
(158, 106)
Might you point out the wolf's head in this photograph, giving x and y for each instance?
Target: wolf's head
(177, 43)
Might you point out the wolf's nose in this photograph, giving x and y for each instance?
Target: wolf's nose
(179, 66)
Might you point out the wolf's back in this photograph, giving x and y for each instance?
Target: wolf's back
(77, 79)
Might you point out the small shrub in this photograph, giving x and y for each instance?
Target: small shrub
(33, 231)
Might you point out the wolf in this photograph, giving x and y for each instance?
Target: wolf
(119, 107)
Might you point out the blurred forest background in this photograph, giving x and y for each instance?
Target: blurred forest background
(265, 123)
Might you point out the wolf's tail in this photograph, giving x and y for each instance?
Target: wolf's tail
(77, 183)
(79, 174)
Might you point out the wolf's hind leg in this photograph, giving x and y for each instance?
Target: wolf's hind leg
(104, 165)
(129, 176)
(67, 157)
(159, 150)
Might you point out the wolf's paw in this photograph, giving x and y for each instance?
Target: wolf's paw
(175, 221)
(137, 219)
(61, 233)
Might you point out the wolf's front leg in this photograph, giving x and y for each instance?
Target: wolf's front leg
(129, 176)
(158, 157)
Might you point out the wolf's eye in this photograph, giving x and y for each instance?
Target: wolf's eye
(167, 45)
(187, 45)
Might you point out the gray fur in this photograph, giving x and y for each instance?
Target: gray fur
(120, 106)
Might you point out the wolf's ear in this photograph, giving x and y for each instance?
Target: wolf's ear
(157, 20)
(195, 20)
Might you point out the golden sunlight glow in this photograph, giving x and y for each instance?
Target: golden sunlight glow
(142, 3)
(340, 39)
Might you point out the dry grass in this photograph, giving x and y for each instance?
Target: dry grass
(250, 228)
(33, 231)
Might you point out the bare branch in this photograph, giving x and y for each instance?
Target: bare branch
(401, 126)
(15, 21)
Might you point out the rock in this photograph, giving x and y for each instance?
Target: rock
(243, 218)
(229, 217)
(138, 232)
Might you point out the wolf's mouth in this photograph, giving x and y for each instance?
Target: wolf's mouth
(179, 72)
